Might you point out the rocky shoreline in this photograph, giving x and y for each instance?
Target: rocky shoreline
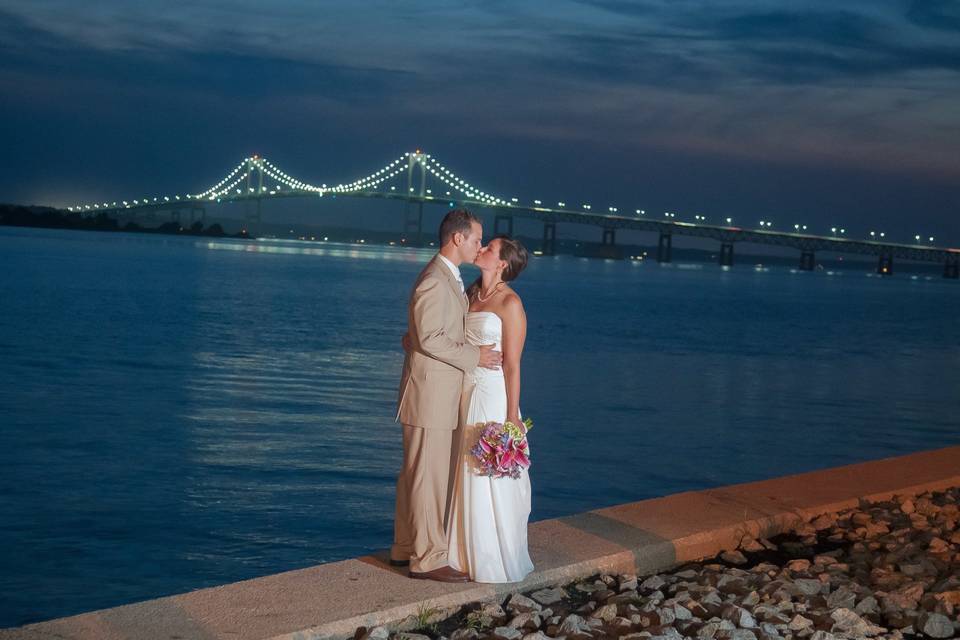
(885, 570)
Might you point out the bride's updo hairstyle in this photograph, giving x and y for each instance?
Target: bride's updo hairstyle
(514, 254)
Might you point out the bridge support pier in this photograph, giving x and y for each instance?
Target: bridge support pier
(549, 246)
(193, 214)
(609, 236)
(726, 254)
(664, 247)
(807, 261)
(507, 219)
(885, 264)
(951, 269)
(414, 223)
(175, 215)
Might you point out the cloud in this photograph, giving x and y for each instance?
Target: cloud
(862, 83)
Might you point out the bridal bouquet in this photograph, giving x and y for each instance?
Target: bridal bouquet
(501, 450)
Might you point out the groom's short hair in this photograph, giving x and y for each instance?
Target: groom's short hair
(456, 221)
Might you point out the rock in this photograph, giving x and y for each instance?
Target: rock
(464, 634)
(938, 545)
(668, 634)
(653, 583)
(842, 598)
(907, 507)
(408, 635)
(628, 583)
(821, 523)
(799, 623)
(867, 605)
(494, 611)
(934, 625)
(549, 596)
(846, 621)
(798, 566)
(905, 597)
(733, 557)
(708, 631)
(588, 587)
(751, 545)
(573, 624)
(520, 603)
(527, 619)
(751, 599)
(680, 612)
(626, 597)
(621, 624)
(743, 634)
(806, 586)
(376, 633)
(949, 597)
(536, 635)
(606, 613)
(507, 633)
(738, 616)
(667, 616)
(823, 635)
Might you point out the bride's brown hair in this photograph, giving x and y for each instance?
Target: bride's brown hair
(513, 253)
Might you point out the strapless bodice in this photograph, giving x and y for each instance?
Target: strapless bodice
(484, 327)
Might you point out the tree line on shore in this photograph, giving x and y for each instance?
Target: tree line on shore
(51, 218)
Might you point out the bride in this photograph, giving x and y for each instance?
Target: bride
(487, 528)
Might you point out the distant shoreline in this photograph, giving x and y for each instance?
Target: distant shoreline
(52, 218)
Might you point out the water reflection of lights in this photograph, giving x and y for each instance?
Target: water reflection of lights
(313, 248)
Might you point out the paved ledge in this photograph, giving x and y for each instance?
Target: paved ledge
(332, 600)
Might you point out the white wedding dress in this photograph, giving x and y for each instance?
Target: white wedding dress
(487, 527)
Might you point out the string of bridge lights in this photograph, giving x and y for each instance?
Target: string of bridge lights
(395, 168)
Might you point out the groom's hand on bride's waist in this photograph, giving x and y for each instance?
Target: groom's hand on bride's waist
(490, 359)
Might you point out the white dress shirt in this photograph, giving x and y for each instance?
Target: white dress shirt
(454, 269)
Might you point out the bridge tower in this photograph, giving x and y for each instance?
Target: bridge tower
(254, 166)
(414, 214)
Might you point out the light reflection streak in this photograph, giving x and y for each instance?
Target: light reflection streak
(323, 249)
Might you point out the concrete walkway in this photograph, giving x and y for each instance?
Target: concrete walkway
(332, 600)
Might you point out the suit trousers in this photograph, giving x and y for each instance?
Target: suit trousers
(422, 486)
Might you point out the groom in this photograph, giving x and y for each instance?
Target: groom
(429, 401)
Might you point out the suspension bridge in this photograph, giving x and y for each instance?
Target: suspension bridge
(417, 178)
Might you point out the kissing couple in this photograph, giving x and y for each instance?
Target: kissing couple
(461, 369)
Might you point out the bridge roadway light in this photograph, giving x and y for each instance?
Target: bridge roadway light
(873, 234)
(537, 202)
(931, 239)
(729, 220)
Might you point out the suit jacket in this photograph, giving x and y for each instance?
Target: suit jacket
(433, 369)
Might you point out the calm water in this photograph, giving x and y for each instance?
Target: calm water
(181, 413)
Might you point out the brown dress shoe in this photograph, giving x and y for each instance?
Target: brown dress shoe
(443, 574)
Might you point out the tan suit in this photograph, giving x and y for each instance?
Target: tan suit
(428, 408)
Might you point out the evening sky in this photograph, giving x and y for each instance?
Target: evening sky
(810, 111)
